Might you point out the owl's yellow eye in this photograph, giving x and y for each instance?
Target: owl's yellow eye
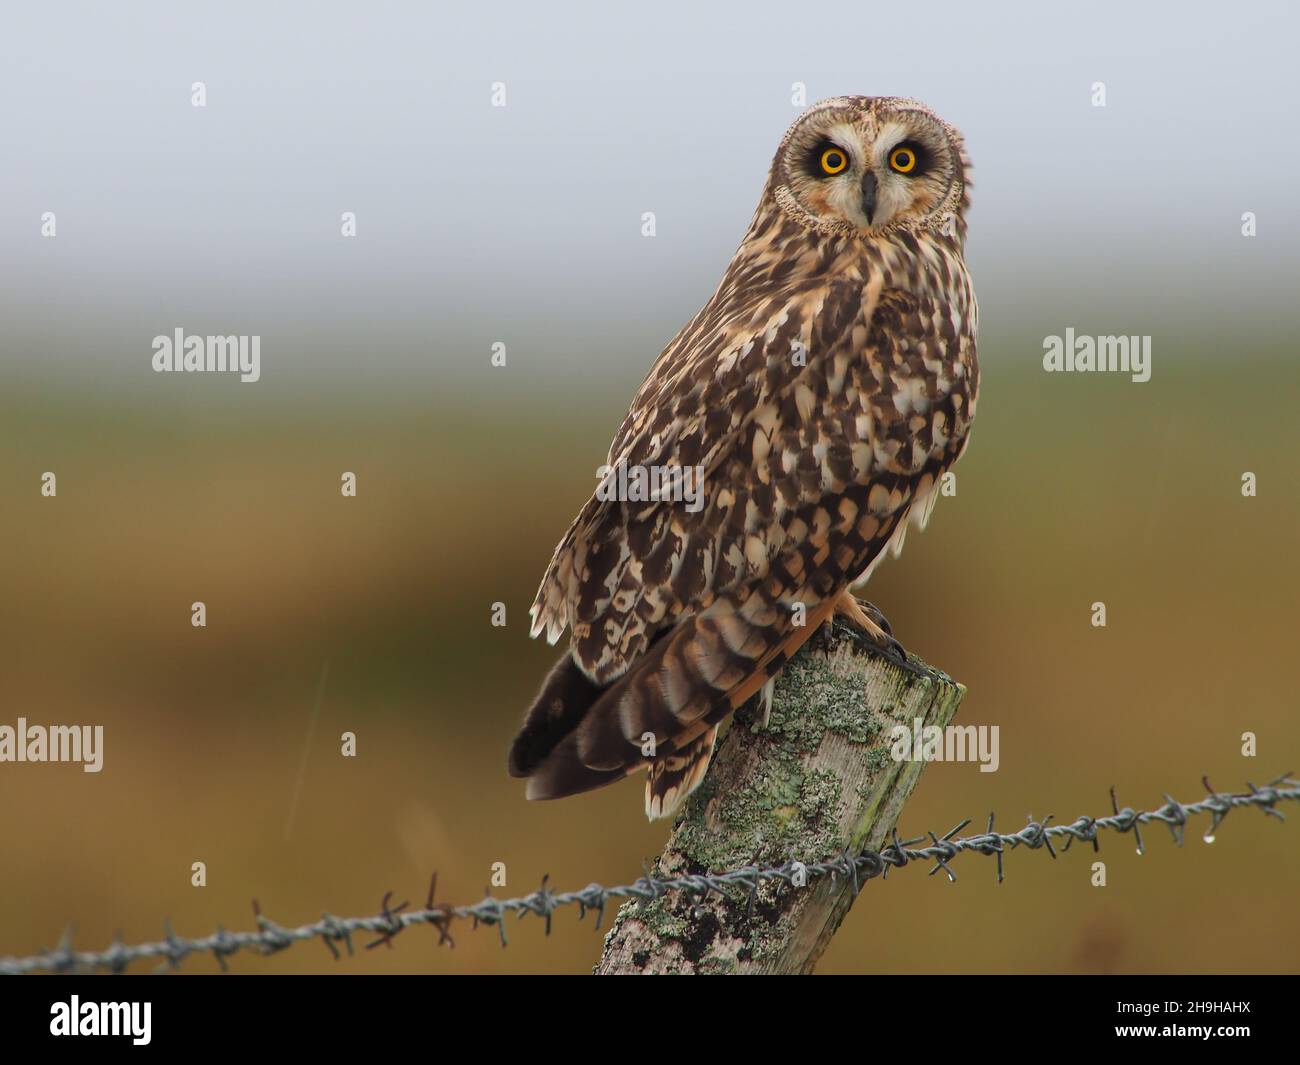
(903, 160)
(833, 161)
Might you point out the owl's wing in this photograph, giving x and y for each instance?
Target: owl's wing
(817, 423)
(718, 393)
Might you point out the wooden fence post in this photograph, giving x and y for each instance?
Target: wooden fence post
(817, 780)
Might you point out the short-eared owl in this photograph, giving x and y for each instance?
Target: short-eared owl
(822, 392)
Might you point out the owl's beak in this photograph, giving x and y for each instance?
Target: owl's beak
(868, 194)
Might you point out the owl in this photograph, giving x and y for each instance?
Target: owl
(817, 397)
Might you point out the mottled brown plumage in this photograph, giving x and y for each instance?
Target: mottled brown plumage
(824, 389)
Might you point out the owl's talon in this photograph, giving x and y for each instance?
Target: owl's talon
(896, 653)
(867, 619)
(877, 615)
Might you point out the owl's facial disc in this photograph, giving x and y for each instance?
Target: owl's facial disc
(868, 168)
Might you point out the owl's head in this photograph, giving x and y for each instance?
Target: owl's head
(871, 164)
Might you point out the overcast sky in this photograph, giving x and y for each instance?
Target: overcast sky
(523, 223)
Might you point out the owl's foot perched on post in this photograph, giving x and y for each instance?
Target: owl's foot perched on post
(868, 620)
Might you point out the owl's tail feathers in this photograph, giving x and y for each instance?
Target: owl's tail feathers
(671, 780)
(661, 714)
(566, 695)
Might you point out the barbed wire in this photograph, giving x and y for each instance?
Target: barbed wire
(855, 869)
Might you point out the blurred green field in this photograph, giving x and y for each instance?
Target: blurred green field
(1074, 490)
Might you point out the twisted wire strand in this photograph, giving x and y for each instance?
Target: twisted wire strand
(855, 869)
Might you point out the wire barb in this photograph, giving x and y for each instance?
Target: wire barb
(854, 869)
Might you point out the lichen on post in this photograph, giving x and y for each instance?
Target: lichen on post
(815, 781)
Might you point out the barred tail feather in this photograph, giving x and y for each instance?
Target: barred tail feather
(675, 694)
(670, 780)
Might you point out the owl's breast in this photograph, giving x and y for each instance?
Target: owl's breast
(915, 379)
